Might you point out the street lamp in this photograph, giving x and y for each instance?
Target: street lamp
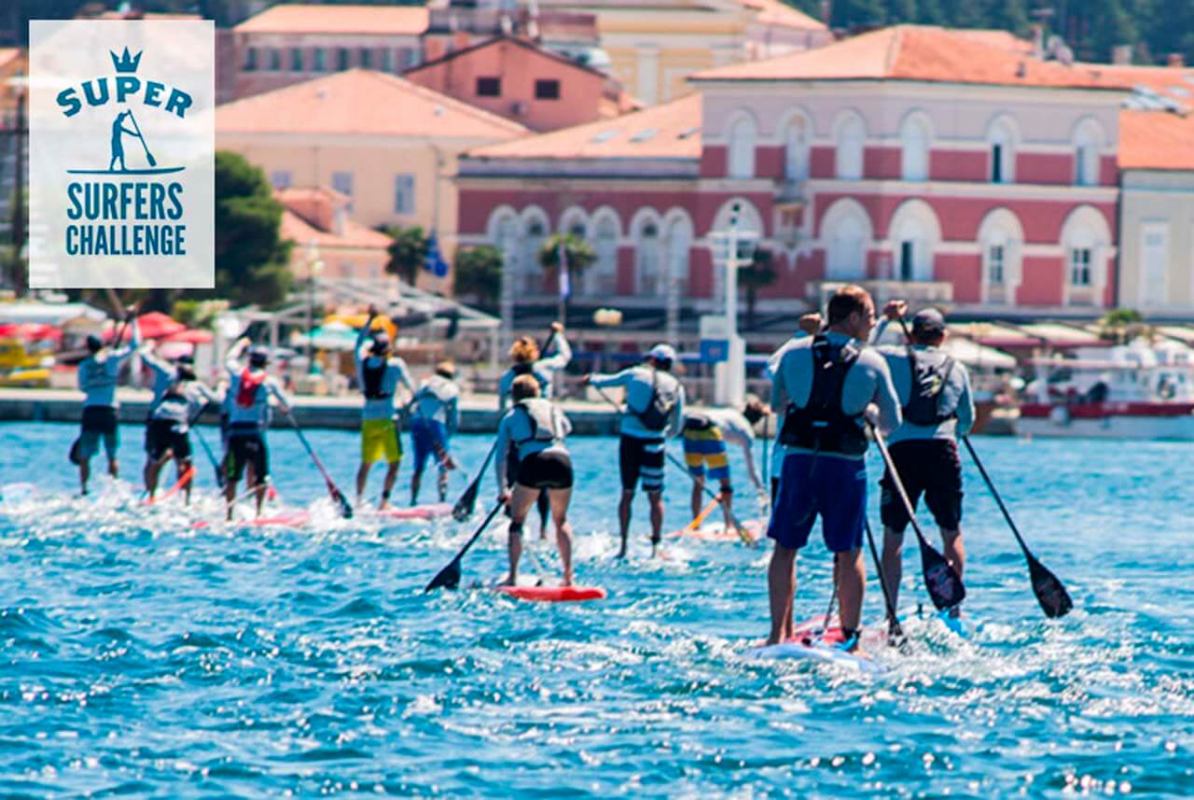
(730, 375)
(314, 267)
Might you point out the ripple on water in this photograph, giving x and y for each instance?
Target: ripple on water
(144, 657)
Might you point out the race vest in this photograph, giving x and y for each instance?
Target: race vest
(250, 384)
(929, 379)
(174, 406)
(658, 412)
(821, 425)
(96, 374)
(435, 389)
(374, 377)
(543, 418)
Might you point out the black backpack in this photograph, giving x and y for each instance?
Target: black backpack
(658, 413)
(928, 382)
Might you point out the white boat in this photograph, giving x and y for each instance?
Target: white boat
(1135, 391)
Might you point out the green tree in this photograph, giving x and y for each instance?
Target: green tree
(407, 252)
(857, 13)
(479, 273)
(252, 262)
(577, 251)
(758, 275)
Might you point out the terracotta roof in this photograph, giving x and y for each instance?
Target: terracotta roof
(381, 20)
(671, 130)
(360, 101)
(777, 12)
(497, 41)
(1155, 140)
(301, 223)
(919, 53)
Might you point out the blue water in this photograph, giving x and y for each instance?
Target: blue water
(143, 657)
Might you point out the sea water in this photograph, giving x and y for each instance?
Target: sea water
(145, 657)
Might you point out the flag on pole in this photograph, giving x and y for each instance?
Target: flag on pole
(434, 262)
(565, 280)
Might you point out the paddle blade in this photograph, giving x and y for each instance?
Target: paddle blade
(1050, 593)
(448, 577)
(467, 503)
(942, 582)
(345, 506)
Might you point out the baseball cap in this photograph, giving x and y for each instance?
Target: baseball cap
(258, 356)
(662, 352)
(928, 321)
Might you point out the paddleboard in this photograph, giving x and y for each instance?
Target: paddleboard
(428, 511)
(291, 519)
(553, 594)
(755, 528)
(815, 642)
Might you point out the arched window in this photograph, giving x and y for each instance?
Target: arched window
(914, 147)
(851, 135)
(742, 148)
(915, 234)
(649, 277)
(1086, 243)
(1001, 239)
(1001, 139)
(796, 138)
(1088, 140)
(846, 232)
(530, 273)
(676, 243)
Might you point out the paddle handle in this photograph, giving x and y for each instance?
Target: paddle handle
(995, 493)
(893, 621)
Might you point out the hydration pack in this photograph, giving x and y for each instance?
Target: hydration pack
(658, 412)
(543, 418)
(821, 425)
(929, 379)
(374, 377)
(250, 383)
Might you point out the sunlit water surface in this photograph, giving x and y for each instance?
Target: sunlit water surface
(143, 656)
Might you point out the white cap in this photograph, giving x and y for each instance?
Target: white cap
(662, 352)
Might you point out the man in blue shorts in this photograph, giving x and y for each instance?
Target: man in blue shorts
(98, 374)
(829, 386)
(434, 416)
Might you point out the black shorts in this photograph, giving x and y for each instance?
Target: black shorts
(930, 467)
(247, 448)
(641, 458)
(162, 435)
(548, 469)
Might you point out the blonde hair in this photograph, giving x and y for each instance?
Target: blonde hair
(524, 350)
(525, 387)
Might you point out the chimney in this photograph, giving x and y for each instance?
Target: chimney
(1175, 61)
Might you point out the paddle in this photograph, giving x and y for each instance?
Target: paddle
(186, 477)
(894, 630)
(1050, 593)
(211, 458)
(468, 501)
(700, 518)
(449, 576)
(941, 580)
(337, 496)
(742, 532)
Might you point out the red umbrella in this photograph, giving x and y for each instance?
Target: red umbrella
(153, 325)
(189, 336)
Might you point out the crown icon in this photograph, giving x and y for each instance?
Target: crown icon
(125, 62)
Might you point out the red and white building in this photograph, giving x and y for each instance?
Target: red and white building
(946, 166)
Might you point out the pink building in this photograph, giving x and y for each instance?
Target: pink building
(947, 166)
(516, 79)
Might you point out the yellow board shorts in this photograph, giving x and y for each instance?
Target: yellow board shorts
(379, 439)
(706, 449)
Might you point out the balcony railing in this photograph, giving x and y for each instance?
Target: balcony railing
(918, 293)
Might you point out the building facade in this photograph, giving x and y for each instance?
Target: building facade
(516, 79)
(932, 164)
(288, 44)
(387, 145)
(328, 242)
